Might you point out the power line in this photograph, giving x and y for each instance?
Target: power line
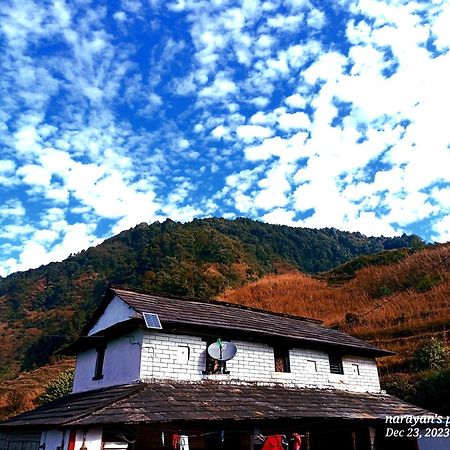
(380, 305)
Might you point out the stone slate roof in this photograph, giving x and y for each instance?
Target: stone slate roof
(72, 407)
(227, 316)
(208, 401)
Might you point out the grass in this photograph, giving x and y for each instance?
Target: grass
(415, 298)
(20, 394)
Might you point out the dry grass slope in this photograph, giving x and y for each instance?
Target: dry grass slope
(409, 300)
(20, 394)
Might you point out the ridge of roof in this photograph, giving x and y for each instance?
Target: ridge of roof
(220, 316)
(218, 303)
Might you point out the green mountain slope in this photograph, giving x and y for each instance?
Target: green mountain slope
(44, 308)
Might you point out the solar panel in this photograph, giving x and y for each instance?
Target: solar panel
(152, 321)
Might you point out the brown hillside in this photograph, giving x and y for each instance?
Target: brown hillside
(20, 394)
(410, 299)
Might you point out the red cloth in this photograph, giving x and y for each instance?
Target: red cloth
(297, 441)
(175, 441)
(273, 442)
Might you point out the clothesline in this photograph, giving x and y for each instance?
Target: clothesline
(271, 442)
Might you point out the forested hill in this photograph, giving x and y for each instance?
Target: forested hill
(41, 309)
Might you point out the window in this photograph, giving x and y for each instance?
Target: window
(98, 374)
(336, 364)
(281, 355)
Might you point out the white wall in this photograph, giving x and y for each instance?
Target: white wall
(163, 357)
(121, 364)
(92, 436)
(163, 353)
(116, 311)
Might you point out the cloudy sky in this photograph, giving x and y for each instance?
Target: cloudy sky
(316, 113)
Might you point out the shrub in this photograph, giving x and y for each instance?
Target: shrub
(58, 387)
(402, 385)
(427, 283)
(431, 355)
(351, 319)
(433, 391)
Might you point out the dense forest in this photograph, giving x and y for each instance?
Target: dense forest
(44, 308)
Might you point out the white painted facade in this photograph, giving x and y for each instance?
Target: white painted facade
(155, 355)
(182, 357)
(117, 311)
(121, 364)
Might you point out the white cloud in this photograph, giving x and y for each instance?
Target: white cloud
(260, 102)
(296, 101)
(27, 140)
(295, 121)
(45, 236)
(14, 232)
(12, 208)
(250, 133)
(316, 19)
(274, 187)
(264, 41)
(221, 87)
(34, 175)
(442, 197)
(441, 229)
(7, 172)
(286, 23)
(220, 131)
(280, 216)
(120, 16)
(277, 119)
(76, 237)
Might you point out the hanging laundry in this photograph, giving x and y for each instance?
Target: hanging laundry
(175, 441)
(297, 441)
(273, 442)
(184, 442)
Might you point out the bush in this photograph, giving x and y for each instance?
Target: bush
(433, 391)
(431, 355)
(351, 319)
(429, 390)
(427, 283)
(402, 385)
(58, 387)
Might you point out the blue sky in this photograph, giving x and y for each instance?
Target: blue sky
(329, 113)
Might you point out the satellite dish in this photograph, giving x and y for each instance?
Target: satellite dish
(222, 351)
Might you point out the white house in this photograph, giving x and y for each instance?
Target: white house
(151, 384)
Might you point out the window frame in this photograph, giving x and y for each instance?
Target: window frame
(99, 363)
(336, 366)
(281, 355)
